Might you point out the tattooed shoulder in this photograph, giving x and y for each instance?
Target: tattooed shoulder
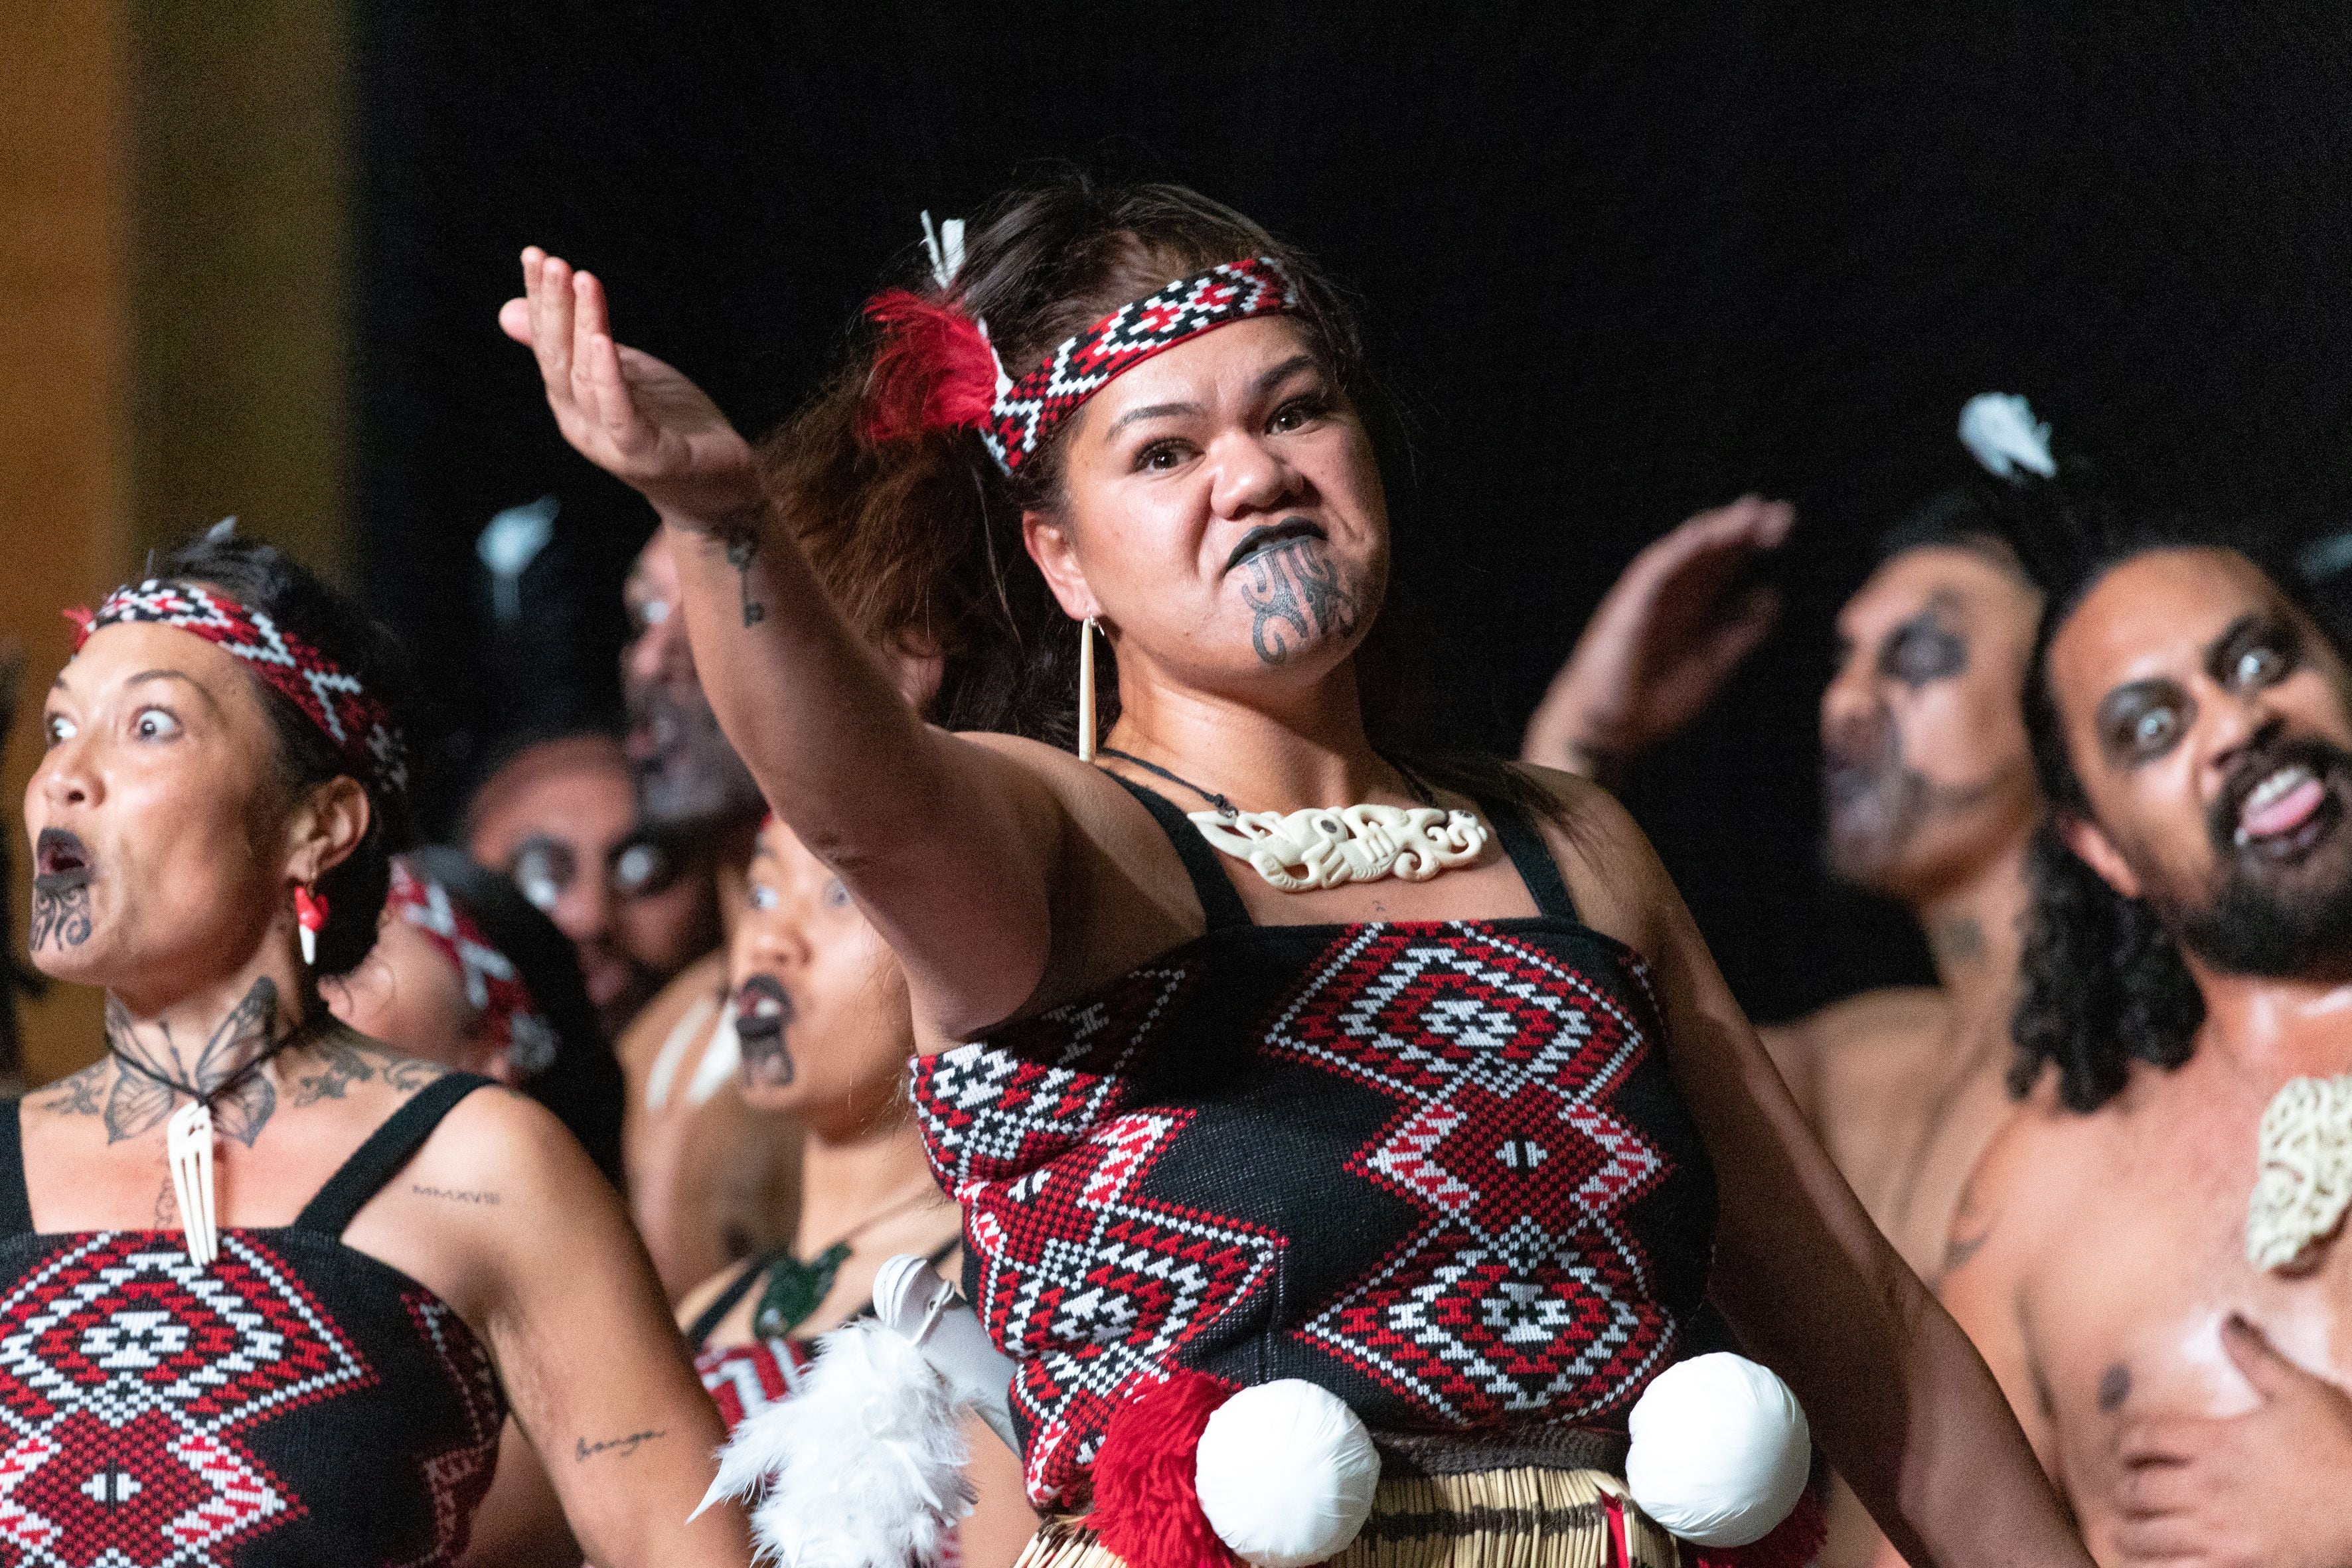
(82, 1094)
(343, 1058)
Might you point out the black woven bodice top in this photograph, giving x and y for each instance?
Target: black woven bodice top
(1439, 1168)
(296, 1403)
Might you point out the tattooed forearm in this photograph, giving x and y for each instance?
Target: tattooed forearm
(60, 916)
(619, 1448)
(456, 1194)
(1295, 594)
(742, 551)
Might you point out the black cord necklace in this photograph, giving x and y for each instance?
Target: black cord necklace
(206, 1096)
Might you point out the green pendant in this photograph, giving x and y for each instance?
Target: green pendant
(794, 1289)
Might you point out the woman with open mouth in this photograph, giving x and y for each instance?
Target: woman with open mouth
(269, 1289)
(1258, 1059)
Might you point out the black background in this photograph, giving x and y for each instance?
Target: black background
(1620, 262)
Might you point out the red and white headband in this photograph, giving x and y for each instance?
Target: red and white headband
(494, 986)
(360, 725)
(938, 369)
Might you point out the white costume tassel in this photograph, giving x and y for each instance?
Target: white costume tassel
(1720, 1450)
(188, 1146)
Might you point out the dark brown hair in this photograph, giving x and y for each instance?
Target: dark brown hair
(918, 539)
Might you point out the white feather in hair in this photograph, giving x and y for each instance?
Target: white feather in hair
(2000, 431)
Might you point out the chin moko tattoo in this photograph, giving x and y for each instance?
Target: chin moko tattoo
(1296, 595)
(60, 916)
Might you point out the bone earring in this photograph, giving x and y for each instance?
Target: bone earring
(1087, 629)
(309, 920)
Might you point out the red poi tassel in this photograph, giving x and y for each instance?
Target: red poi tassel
(81, 615)
(309, 920)
(1147, 1506)
(934, 370)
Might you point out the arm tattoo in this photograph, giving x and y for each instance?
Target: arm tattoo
(60, 917)
(742, 551)
(1295, 594)
(456, 1194)
(619, 1448)
(138, 1103)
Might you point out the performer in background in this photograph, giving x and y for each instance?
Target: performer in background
(1928, 791)
(2150, 1255)
(711, 1180)
(467, 972)
(1262, 1060)
(270, 1286)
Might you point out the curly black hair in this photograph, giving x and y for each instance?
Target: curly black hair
(2102, 980)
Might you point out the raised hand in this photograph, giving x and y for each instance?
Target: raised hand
(1663, 642)
(631, 414)
(2265, 1490)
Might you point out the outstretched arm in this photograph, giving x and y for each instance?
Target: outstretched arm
(1666, 637)
(947, 846)
(1903, 1404)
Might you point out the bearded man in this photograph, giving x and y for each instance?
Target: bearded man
(2146, 1253)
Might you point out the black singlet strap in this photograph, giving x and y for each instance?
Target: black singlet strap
(1531, 856)
(16, 1204)
(388, 1148)
(1220, 904)
(706, 1322)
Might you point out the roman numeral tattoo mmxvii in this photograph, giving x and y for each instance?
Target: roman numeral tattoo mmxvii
(1295, 594)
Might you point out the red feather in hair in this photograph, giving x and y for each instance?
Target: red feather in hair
(934, 370)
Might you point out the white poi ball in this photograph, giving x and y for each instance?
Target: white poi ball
(1720, 1452)
(1285, 1473)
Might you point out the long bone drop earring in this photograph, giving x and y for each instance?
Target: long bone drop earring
(1087, 629)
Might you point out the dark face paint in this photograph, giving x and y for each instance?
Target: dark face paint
(762, 1014)
(1873, 799)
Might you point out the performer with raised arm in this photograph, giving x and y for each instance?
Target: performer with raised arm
(267, 1288)
(1431, 1103)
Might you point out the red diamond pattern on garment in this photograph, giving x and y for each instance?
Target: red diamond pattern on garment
(1526, 1291)
(122, 1383)
(459, 1476)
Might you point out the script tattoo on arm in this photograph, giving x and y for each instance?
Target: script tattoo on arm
(138, 1103)
(1295, 594)
(60, 917)
(742, 551)
(619, 1448)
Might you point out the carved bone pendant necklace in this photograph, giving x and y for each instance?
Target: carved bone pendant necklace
(2304, 1176)
(1332, 846)
(188, 1146)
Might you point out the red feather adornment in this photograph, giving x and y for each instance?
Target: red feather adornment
(1147, 1508)
(934, 370)
(1793, 1542)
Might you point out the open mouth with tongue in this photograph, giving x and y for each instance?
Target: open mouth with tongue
(60, 860)
(763, 1013)
(2283, 804)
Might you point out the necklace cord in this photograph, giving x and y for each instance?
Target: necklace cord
(206, 1096)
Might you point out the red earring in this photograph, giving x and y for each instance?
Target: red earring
(310, 918)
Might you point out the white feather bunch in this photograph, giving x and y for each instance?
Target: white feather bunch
(862, 1469)
(2000, 431)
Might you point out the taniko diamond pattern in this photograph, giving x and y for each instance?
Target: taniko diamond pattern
(1524, 1293)
(126, 1375)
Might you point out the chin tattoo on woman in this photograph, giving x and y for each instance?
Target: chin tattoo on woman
(1296, 593)
(60, 916)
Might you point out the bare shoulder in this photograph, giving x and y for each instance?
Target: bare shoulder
(344, 1064)
(1611, 871)
(699, 983)
(2022, 1185)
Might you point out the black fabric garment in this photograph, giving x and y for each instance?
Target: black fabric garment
(1440, 1168)
(296, 1403)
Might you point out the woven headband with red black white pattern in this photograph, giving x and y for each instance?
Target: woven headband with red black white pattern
(938, 370)
(360, 726)
(1027, 410)
(494, 986)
